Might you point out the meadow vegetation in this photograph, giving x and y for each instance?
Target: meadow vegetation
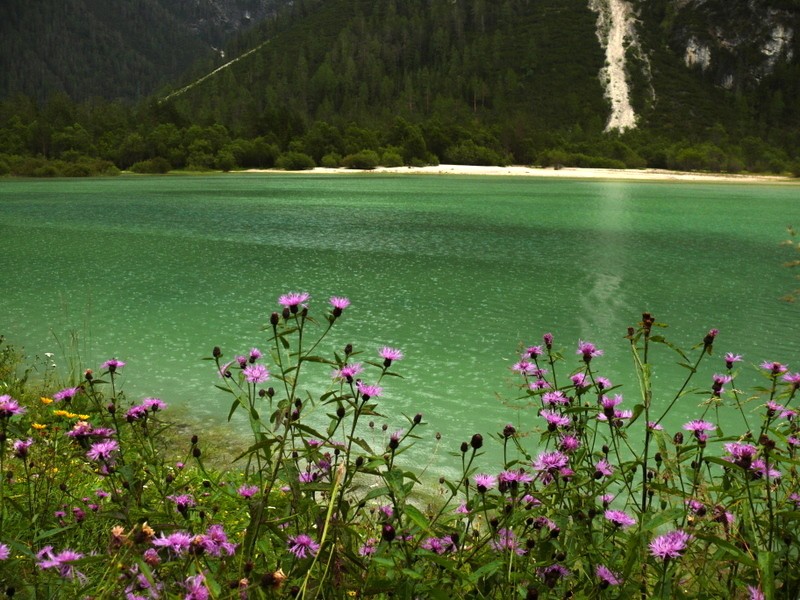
(101, 496)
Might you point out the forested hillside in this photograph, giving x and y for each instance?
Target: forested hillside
(361, 82)
(113, 49)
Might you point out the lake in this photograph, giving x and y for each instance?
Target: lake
(457, 271)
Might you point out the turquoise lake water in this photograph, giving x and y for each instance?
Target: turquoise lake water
(459, 272)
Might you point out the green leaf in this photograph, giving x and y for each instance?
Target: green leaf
(317, 359)
(740, 556)
(416, 516)
(256, 447)
(236, 404)
(766, 563)
(486, 570)
(665, 516)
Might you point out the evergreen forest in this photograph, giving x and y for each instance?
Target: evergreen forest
(360, 83)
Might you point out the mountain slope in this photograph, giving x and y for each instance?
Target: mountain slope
(112, 48)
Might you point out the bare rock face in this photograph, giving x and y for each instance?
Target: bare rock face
(735, 43)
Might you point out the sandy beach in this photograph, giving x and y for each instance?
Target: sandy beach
(565, 172)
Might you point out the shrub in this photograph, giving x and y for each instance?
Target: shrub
(470, 153)
(391, 158)
(152, 166)
(295, 161)
(332, 160)
(366, 159)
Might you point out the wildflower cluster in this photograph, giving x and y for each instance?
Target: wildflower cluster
(594, 496)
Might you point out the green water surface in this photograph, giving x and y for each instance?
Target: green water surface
(459, 272)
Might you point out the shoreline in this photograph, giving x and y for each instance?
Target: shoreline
(564, 173)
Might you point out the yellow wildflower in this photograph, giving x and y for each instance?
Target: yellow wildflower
(46, 400)
(60, 413)
(38, 426)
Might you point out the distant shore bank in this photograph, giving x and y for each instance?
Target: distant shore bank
(565, 172)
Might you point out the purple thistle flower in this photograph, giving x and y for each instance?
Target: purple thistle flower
(135, 413)
(580, 381)
(550, 461)
(438, 545)
(112, 365)
(102, 451)
(506, 539)
(153, 404)
(670, 545)
(653, 426)
(339, 303)
(307, 477)
(511, 480)
(555, 397)
(603, 383)
(548, 340)
(484, 482)
(390, 355)
(609, 405)
(178, 543)
(369, 391)
(775, 368)
(731, 358)
(523, 367)
(759, 466)
(588, 350)
(61, 561)
(554, 419)
(698, 426)
(755, 593)
(569, 443)
(20, 447)
(183, 502)
(293, 299)
(534, 352)
(369, 548)
(538, 384)
(215, 541)
(348, 372)
(718, 381)
(793, 378)
(619, 518)
(255, 354)
(9, 407)
(740, 454)
(302, 545)
(66, 394)
(247, 491)
(607, 576)
(196, 588)
(256, 373)
(606, 499)
(695, 506)
(4, 552)
(603, 468)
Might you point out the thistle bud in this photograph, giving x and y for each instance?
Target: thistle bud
(216, 352)
(476, 442)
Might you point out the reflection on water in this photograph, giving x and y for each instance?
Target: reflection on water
(460, 272)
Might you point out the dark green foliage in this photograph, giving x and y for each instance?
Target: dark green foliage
(295, 161)
(418, 81)
(366, 159)
(152, 165)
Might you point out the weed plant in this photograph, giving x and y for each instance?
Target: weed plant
(99, 500)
